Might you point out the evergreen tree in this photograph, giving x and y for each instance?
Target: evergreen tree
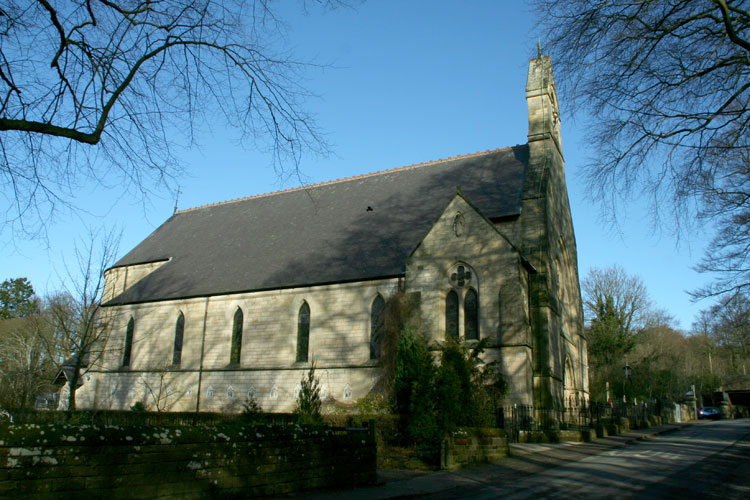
(433, 399)
(17, 298)
(308, 400)
(414, 391)
(609, 337)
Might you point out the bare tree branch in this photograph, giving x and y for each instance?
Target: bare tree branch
(100, 90)
(666, 82)
(82, 325)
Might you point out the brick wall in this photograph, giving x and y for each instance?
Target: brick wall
(229, 460)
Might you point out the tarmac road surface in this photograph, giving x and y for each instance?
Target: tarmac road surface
(682, 461)
(707, 460)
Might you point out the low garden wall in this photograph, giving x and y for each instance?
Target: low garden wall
(223, 461)
(557, 436)
(469, 446)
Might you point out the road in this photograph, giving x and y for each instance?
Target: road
(707, 460)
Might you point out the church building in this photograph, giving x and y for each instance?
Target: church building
(238, 299)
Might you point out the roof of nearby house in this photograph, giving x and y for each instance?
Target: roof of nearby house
(68, 369)
(347, 230)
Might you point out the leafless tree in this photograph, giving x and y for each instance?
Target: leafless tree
(25, 367)
(59, 310)
(627, 293)
(616, 309)
(729, 327)
(101, 90)
(160, 390)
(668, 85)
(81, 326)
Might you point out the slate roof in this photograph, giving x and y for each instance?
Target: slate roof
(68, 369)
(347, 230)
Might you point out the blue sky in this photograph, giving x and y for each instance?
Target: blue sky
(407, 82)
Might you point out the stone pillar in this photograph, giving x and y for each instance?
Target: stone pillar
(725, 406)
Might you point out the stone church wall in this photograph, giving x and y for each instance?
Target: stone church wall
(119, 279)
(339, 346)
(545, 233)
(496, 275)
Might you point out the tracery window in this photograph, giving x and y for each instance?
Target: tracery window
(377, 326)
(451, 314)
(303, 332)
(234, 356)
(179, 329)
(471, 315)
(462, 303)
(461, 277)
(128, 342)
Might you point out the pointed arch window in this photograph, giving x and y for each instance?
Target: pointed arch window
(471, 315)
(234, 355)
(179, 329)
(451, 314)
(303, 332)
(127, 350)
(377, 326)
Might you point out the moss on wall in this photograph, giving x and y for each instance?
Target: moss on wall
(232, 459)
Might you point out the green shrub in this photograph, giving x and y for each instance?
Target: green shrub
(80, 418)
(414, 392)
(139, 407)
(251, 410)
(469, 390)
(432, 399)
(372, 404)
(455, 401)
(309, 404)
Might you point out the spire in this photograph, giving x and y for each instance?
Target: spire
(541, 98)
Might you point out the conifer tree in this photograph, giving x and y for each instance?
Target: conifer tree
(309, 403)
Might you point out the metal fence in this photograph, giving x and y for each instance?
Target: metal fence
(519, 418)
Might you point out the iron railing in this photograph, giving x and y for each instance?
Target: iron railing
(520, 418)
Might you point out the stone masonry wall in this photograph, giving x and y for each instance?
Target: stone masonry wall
(544, 232)
(471, 446)
(225, 461)
(339, 346)
(119, 279)
(496, 276)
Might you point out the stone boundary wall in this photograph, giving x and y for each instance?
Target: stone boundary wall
(468, 446)
(164, 419)
(562, 436)
(224, 461)
(679, 412)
